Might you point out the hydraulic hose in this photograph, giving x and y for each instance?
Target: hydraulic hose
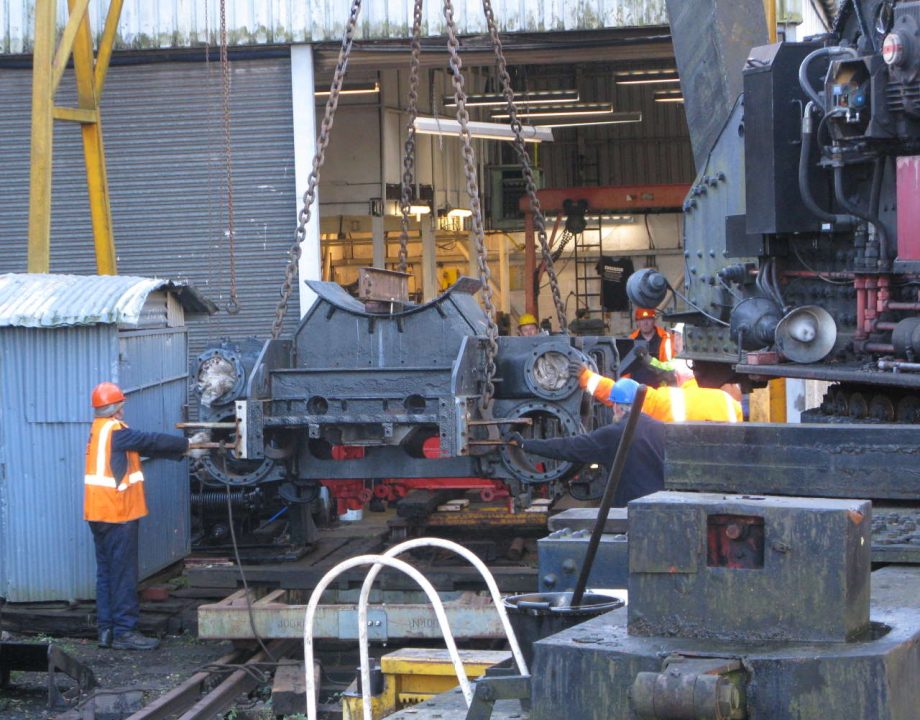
(804, 185)
(880, 230)
(807, 87)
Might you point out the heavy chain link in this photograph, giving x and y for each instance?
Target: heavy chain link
(233, 306)
(472, 188)
(322, 142)
(516, 127)
(408, 176)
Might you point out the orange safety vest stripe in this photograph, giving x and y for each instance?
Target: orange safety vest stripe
(596, 384)
(105, 498)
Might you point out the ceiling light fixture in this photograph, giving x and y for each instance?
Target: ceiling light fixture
(483, 130)
(368, 88)
(670, 99)
(649, 81)
(459, 213)
(544, 111)
(524, 98)
(614, 119)
(647, 77)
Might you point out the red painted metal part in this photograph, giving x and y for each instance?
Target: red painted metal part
(352, 494)
(601, 199)
(612, 198)
(908, 184)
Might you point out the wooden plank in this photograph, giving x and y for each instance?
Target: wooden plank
(289, 689)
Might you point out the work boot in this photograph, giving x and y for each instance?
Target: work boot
(133, 640)
(105, 637)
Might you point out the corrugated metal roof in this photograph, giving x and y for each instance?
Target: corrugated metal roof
(148, 24)
(36, 300)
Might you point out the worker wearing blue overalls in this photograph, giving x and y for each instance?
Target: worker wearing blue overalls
(113, 503)
(643, 472)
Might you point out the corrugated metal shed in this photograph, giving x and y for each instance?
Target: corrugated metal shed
(46, 376)
(34, 300)
(148, 24)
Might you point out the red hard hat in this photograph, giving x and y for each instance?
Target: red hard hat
(642, 313)
(107, 394)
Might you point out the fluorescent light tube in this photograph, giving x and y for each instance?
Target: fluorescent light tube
(483, 130)
(615, 119)
(523, 98)
(356, 89)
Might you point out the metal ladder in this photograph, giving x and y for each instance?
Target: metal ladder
(586, 253)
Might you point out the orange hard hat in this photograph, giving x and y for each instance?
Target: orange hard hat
(107, 393)
(643, 313)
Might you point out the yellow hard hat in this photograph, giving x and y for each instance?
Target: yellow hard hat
(526, 319)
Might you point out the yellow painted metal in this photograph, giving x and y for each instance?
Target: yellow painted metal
(381, 705)
(769, 7)
(74, 114)
(777, 400)
(48, 69)
(106, 43)
(39, 258)
(93, 150)
(65, 45)
(417, 674)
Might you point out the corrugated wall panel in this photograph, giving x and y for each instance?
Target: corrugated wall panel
(45, 548)
(153, 373)
(166, 157)
(656, 150)
(149, 24)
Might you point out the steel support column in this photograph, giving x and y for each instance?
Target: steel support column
(47, 70)
(304, 116)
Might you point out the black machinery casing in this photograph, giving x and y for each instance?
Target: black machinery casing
(773, 103)
(711, 631)
(365, 393)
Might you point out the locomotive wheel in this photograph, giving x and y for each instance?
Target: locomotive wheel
(908, 409)
(881, 408)
(859, 408)
(842, 403)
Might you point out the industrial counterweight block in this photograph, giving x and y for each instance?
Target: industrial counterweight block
(742, 606)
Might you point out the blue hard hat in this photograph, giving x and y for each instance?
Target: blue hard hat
(623, 391)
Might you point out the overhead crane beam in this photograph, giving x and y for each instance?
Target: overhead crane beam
(48, 65)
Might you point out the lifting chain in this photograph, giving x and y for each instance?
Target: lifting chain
(472, 188)
(233, 305)
(524, 158)
(322, 142)
(408, 176)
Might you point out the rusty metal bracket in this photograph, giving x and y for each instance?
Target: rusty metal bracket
(38, 657)
(690, 688)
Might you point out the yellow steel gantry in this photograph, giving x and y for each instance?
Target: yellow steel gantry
(48, 65)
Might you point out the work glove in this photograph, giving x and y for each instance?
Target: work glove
(515, 439)
(576, 368)
(198, 438)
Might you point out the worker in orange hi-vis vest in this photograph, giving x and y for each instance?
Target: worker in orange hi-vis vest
(671, 404)
(113, 503)
(658, 339)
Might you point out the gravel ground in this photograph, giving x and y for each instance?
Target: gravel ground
(154, 672)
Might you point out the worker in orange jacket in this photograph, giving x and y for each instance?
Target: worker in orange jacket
(658, 339)
(113, 503)
(670, 404)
